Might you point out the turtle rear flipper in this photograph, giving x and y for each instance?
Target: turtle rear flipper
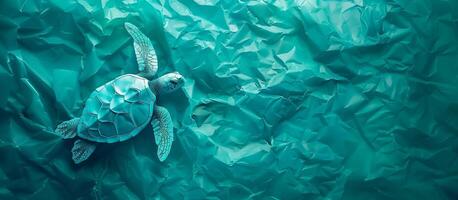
(82, 150)
(67, 129)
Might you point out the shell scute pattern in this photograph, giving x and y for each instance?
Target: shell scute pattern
(140, 112)
(94, 132)
(124, 124)
(107, 129)
(117, 110)
(132, 95)
(103, 97)
(118, 104)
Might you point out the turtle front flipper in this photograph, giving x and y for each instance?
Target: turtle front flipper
(163, 131)
(67, 129)
(81, 150)
(144, 51)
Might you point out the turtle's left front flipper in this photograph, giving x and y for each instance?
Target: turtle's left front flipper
(163, 131)
(144, 50)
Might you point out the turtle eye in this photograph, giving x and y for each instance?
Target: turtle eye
(173, 82)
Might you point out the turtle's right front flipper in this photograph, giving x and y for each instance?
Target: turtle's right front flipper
(67, 129)
(163, 131)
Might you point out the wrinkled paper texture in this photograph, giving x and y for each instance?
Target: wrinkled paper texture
(305, 99)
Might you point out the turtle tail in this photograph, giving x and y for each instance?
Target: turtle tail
(67, 129)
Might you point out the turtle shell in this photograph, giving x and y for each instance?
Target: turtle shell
(118, 110)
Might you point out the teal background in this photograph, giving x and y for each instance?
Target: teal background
(306, 99)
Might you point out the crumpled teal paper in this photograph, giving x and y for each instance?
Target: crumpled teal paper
(283, 100)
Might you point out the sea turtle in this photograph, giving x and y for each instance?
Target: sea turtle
(121, 108)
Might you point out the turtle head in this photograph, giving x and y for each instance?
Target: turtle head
(168, 82)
